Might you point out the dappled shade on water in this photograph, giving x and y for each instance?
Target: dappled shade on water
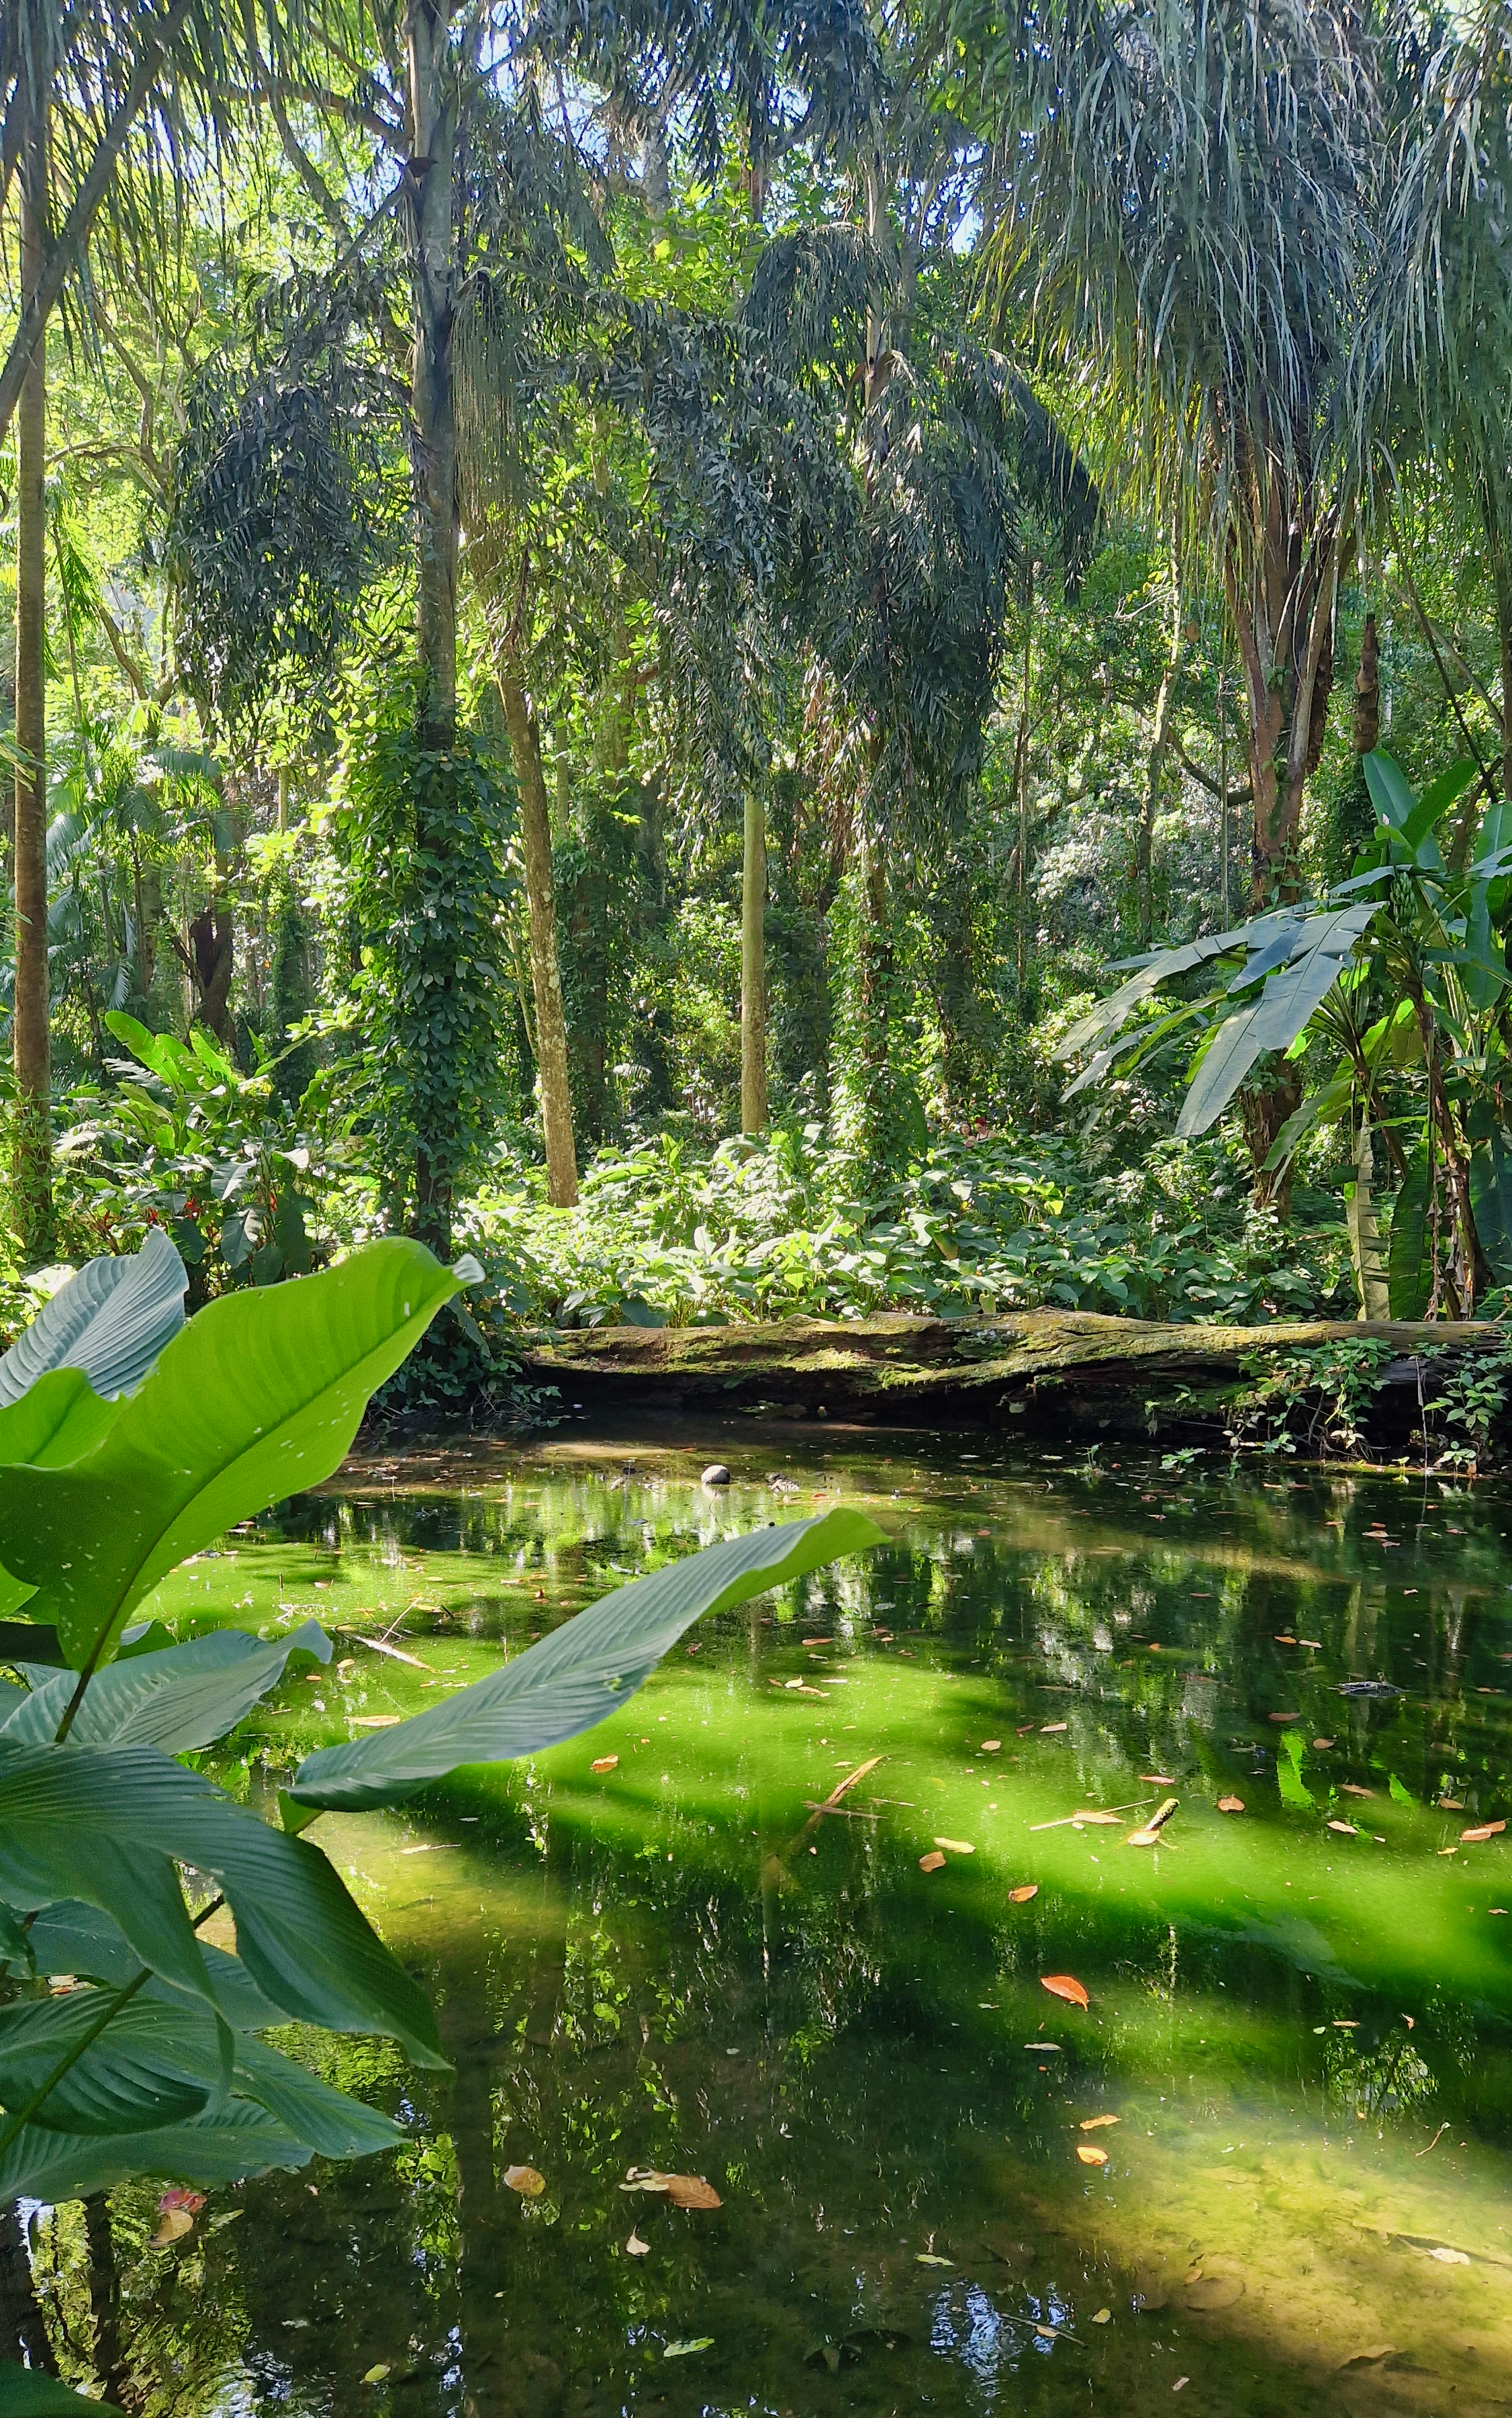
(1043, 1956)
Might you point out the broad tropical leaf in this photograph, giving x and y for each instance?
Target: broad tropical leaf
(184, 1697)
(1491, 1202)
(1409, 1265)
(240, 2139)
(111, 1827)
(578, 1675)
(72, 1937)
(260, 1395)
(154, 2063)
(31, 2393)
(109, 1321)
(59, 1416)
(333, 2125)
(1273, 1020)
(1162, 966)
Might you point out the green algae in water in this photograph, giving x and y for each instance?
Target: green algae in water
(681, 1963)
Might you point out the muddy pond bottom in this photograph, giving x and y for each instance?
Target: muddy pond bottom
(1052, 1939)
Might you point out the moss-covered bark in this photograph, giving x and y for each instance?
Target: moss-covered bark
(1052, 1368)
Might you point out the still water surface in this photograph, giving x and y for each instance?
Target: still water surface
(1300, 2031)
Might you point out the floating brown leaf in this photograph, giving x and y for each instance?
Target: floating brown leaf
(1352, 1788)
(1047, 1729)
(932, 1862)
(691, 2191)
(1345, 1830)
(635, 2247)
(604, 1763)
(1283, 1717)
(992, 1746)
(1090, 2155)
(525, 2181)
(1021, 1895)
(1065, 1985)
(1159, 1778)
(1096, 2123)
(1484, 1830)
(1230, 1804)
(173, 2223)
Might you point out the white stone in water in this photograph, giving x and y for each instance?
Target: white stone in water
(716, 1474)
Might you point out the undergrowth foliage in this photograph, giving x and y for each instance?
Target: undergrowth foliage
(792, 1224)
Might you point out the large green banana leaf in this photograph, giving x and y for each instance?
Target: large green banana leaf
(153, 2064)
(109, 1321)
(240, 2140)
(111, 1827)
(571, 1680)
(259, 1396)
(184, 1697)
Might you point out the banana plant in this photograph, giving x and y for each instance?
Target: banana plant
(1401, 971)
(155, 2060)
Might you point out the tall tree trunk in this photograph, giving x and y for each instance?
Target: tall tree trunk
(1502, 569)
(31, 1166)
(1367, 729)
(1281, 583)
(1021, 794)
(430, 184)
(754, 1117)
(1281, 580)
(1156, 767)
(545, 965)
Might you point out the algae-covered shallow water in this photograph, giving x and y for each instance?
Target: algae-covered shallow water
(1300, 2032)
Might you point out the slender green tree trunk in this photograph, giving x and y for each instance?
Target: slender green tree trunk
(545, 964)
(1156, 767)
(31, 1165)
(754, 1113)
(431, 193)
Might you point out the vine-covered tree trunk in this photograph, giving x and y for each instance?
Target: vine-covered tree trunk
(545, 966)
(430, 183)
(754, 1113)
(31, 1170)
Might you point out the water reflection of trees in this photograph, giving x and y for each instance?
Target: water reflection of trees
(872, 2083)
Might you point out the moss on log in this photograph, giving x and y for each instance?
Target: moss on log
(1059, 1369)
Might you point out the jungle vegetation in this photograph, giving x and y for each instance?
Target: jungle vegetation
(616, 622)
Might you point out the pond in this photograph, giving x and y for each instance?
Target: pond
(1263, 2166)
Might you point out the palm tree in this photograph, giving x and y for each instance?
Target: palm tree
(1432, 372)
(1187, 226)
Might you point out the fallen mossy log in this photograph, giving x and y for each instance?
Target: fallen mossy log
(1060, 1370)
